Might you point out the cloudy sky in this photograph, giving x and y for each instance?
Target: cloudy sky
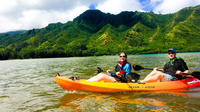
(29, 14)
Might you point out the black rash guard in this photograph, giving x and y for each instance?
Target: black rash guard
(173, 65)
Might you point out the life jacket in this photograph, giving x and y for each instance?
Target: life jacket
(175, 64)
(119, 67)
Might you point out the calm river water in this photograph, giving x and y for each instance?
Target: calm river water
(29, 86)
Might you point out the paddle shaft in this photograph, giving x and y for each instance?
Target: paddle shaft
(182, 73)
(113, 73)
(148, 68)
(138, 67)
(152, 69)
(101, 70)
(193, 74)
(185, 74)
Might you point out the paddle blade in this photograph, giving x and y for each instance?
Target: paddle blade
(137, 67)
(99, 70)
(133, 77)
(196, 74)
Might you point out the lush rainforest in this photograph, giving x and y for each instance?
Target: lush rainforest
(97, 33)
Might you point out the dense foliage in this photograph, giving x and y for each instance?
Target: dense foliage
(98, 33)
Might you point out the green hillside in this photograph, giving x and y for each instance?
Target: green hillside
(98, 33)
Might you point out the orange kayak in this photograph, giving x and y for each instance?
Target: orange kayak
(107, 87)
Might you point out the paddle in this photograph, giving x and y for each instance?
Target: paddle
(195, 74)
(131, 77)
(99, 70)
(138, 67)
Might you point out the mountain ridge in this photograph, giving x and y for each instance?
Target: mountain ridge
(96, 33)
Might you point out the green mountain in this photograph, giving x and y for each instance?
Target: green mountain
(98, 33)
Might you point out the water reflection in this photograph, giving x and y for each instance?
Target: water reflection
(90, 102)
(122, 101)
(28, 85)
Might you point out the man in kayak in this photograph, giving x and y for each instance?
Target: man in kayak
(170, 71)
(123, 68)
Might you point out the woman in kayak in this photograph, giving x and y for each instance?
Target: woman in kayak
(170, 72)
(123, 68)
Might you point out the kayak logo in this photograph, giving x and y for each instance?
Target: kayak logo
(193, 82)
(141, 87)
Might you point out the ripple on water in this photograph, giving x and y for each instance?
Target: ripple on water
(28, 85)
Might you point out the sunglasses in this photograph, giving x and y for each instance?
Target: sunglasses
(171, 53)
(122, 56)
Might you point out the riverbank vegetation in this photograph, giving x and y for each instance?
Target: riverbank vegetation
(98, 33)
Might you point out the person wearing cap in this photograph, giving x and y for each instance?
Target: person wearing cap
(170, 71)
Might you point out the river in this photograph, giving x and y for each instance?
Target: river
(28, 86)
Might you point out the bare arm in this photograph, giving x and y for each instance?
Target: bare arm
(187, 71)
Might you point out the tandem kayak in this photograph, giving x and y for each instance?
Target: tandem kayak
(108, 87)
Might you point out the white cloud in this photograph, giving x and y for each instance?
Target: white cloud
(7, 6)
(41, 18)
(29, 14)
(116, 6)
(172, 6)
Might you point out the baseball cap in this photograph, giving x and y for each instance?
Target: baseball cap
(172, 50)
